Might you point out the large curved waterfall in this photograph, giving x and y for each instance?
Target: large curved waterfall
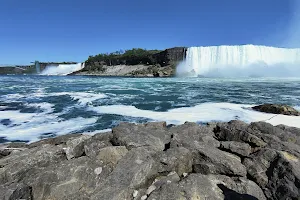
(62, 69)
(244, 60)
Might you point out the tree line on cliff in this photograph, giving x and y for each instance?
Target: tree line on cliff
(133, 56)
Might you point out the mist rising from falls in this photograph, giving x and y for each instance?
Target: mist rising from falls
(62, 69)
(243, 61)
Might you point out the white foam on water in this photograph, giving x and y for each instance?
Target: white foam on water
(205, 112)
(84, 98)
(30, 126)
(62, 69)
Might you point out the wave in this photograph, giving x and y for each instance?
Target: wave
(206, 112)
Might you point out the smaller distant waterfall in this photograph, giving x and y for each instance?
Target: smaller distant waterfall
(244, 60)
(62, 69)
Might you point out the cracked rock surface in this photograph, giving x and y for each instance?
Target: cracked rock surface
(153, 161)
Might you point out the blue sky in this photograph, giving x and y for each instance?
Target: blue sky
(71, 30)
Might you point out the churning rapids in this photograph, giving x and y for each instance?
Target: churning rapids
(241, 61)
(34, 107)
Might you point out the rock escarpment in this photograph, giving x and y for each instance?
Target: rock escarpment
(231, 160)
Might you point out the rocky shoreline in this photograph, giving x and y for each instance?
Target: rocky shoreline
(129, 71)
(231, 160)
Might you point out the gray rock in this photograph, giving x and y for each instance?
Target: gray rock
(293, 130)
(60, 140)
(276, 138)
(15, 191)
(283, 135)
(177, 159)
(284, 177)
(277, 172)
(75, 146)
(16, 166)
(215, 187)
(208, 160)
(111, 155)
(133, 136)
(169, 191)
(93, 145)
(185, 135)
(258, 165)
(239, 148)
(238, 131)
(67, 178)
(137, 169)
(277, 109)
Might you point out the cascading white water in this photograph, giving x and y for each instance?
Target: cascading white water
(244, 60)
(62, 69)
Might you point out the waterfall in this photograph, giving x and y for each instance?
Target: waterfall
(244, 60)
(62, 69)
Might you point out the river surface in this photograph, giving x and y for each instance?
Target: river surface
(36, 107)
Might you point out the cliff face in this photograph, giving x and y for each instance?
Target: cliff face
(170, 56)
(159, 64)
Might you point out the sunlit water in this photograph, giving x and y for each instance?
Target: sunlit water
(35, 107)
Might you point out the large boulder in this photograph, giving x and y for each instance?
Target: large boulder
(62, 180)
(177, 159)
(137, 169)
(215, 187)
(185, 135)
(111, 155)
(277, 109)
(93, 145)
(238, 131)
(15, 191)
(276, 138)
(16, 166)
(75, 147)
(238, 148)
(277, 172)
(208, 160)
(153, 135)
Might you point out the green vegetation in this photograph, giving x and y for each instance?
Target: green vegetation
(134, 56)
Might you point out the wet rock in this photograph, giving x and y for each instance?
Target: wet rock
(177, 159)
(238, 131)
(277, 109)
(208, 160)
(134, 136)
(111, 155)
(239, 148)
(75, 146)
